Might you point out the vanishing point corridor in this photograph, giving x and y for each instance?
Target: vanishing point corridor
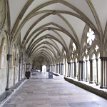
(40, 91)
(65, 37)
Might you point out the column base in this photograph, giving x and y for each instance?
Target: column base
(91, 82)
(103, 87)
(97, 84)
(80, 79)
(6, 89)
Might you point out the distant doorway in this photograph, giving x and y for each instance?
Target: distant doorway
(44, 68)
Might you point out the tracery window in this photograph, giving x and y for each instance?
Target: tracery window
(74, 46)
(90, 36)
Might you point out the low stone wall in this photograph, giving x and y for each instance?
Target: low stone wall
(55, 74)
(88, 88)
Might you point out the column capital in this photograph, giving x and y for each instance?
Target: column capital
(96, 59)
(90, 60)
(74, 62)
(81, 61)
(69, 62)
(103, 58)
(91, 82)
(86, 60)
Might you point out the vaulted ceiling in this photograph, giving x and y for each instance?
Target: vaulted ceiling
(48, 28)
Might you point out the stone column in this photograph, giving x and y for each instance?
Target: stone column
(56, 68)
(49, 68)
(8, 70)
(21, 66)
(77, 69)
(19, 70)
(97, 70)
(14, 76)
(103, 72)
(52, 68)
(62, 68)
(80, 73)
(86, 70)
(82, 70)
(69, 69)
(59, 69)
(106, 74)
(74, 69)
(91, 71)
(66, 67)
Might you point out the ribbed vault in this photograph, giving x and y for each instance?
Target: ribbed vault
(50, 27)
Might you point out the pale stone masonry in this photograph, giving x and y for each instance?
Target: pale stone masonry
(40, 91)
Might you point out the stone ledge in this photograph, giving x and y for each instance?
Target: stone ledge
(3, 96)
(55, 74)
(8, 92)
(96, 91)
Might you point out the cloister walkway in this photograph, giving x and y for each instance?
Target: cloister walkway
(40, 91)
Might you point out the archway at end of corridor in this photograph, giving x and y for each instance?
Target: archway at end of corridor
(43, 68)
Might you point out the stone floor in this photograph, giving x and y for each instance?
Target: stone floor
(40, 91)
